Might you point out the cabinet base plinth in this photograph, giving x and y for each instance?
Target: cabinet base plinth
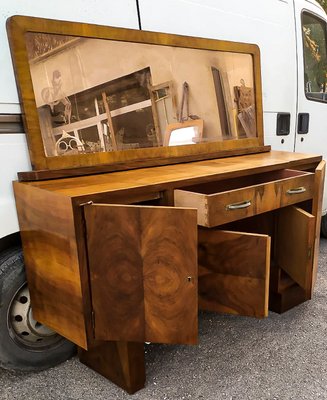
(287, 299)
(120, 362)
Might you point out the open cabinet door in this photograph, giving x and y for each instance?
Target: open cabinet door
(143, 273)
(295, 235)
(317, 212)
(234, 272)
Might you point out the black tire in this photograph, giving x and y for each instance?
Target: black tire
(324, 226)
(16, 352)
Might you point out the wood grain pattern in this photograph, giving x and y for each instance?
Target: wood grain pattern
(177, 176)
(51, 260)
(295, 244)
(143, 273)
(121, 362)
(17, 26)
(40, 175)
(234, 272)
(268, 192)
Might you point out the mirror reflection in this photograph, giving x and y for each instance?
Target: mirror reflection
(96, 95)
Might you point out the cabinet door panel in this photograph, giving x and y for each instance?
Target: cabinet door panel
(295, 236)
(143, 272)
(234, 272)
(316, 211)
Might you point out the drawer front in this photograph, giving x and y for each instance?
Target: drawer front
(220, 208)
(296, 190)
(239, 204)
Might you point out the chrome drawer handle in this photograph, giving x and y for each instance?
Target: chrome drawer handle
(238, 206)
(298, 190)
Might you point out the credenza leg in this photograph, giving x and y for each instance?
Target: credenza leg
(121, 362)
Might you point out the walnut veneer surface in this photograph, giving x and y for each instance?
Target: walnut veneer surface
(109, 270)
(173, 176)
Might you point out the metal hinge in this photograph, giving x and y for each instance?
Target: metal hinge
(88, 203)
(84, 227)
(310, 252)
(93, 320)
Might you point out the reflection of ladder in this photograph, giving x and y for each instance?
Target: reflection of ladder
(98, 120)
(185, 120)
(110, 124)
(51, 97)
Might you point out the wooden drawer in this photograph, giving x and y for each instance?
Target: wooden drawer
(229, 200)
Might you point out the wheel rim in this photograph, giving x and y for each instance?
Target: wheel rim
(24, 329)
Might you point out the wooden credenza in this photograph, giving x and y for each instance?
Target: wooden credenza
(118, 259)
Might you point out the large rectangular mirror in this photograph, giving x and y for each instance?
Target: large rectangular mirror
(94, 95)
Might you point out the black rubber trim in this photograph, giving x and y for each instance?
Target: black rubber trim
(11, 123)
(138, 14)
(283, 124)
(303, 123)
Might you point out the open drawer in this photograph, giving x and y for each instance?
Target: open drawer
(233, 199)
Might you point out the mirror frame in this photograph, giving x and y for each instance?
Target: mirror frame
(18, 26)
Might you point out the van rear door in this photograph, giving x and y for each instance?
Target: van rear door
(311, 132)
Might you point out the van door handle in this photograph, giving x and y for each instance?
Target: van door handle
(303, 123)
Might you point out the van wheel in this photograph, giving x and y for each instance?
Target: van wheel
(324, 226)
(25, 344)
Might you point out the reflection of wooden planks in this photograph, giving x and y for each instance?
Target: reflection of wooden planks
(111, 126)
(295, 244)
(164, 108)
(246, 117)
(234, 272)
(140, 259)
(224, 103)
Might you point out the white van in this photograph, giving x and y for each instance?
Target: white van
(291, 35)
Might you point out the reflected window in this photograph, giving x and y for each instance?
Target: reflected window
(315, 59)
(182, 136)
(185, 132)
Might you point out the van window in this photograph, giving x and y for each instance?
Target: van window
(315, 58)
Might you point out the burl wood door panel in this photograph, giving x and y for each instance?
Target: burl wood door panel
(295, 244)
(143, 273)
(51, 259)
(234, 272)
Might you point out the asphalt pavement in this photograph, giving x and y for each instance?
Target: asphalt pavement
(281, 357)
